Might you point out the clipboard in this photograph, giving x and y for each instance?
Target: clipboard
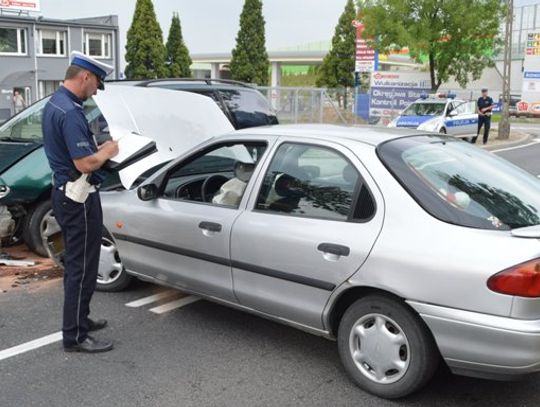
(132, 148)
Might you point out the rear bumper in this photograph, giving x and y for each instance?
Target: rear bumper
(481, 345)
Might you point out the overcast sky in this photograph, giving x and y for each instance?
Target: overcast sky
(212, 25)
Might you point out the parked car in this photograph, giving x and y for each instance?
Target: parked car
(243, 105)
(441, 115)
(25, 177)
(512, 107)
(404, 247)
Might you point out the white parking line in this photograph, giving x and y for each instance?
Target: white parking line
(152, 298)
(57, 336)
(174, 304)
(28, 346)
(517, 147)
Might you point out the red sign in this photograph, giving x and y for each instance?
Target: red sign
(522, 106)
(365, 55)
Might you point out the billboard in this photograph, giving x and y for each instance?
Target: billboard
(393, 91)
(530, 92)
(26, 5)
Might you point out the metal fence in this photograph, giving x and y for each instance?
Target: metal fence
(310, 105)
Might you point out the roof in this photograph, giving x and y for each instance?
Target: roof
(371, 135)
(101, 22)
(184, 83)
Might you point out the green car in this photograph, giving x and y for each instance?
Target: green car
(25, 176)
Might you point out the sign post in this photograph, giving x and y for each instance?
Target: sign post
(365, 63)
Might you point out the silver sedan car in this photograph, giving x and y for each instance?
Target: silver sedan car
(406, 248)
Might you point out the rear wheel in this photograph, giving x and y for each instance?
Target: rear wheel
(386, 348)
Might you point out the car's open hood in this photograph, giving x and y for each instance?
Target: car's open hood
(177, 121)
(531, 232)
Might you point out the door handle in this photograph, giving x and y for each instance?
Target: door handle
(210, 226)
(335, 249)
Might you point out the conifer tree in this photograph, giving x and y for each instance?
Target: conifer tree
(178, 60)
(337, 69)
(249, 61)
(145, 52)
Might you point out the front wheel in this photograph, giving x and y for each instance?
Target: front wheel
(112, 275)
(386, 349)
(442, 130)
(36, 222)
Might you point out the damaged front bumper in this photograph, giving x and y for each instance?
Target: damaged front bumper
(7, 223)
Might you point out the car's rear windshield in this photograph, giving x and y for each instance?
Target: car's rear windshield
(462, 184)
(425, 109)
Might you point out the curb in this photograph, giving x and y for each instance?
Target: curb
(526, 137)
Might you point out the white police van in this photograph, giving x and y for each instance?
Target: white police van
(440, 113)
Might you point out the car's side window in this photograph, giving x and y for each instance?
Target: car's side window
(313, 181)
(461, 108)
(217, 176)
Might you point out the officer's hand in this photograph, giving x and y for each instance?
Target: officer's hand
(110, 148)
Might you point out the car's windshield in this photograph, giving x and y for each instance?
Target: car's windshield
(26, 126)
(424, 109)
(462, 184)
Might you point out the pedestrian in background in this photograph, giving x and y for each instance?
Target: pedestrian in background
(76, 161)
(18, 102)
(484, 107)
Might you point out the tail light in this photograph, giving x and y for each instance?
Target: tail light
(522, 280)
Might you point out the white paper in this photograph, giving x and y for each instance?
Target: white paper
(129, 143)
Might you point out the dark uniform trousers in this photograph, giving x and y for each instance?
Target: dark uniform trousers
(81, 228)
(486, 122)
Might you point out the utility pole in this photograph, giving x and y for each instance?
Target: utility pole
(504, 125)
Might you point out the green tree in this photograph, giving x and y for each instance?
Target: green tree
(145, 52)
(337, 69)
(456, 37)
(249, 61)
(178, 60)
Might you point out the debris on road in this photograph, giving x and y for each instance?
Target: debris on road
(7, 260)
(20, 267)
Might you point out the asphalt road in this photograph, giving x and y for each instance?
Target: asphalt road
(203, 354)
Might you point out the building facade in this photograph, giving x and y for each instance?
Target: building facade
(34, 54)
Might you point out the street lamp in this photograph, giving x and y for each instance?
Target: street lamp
(504, 125)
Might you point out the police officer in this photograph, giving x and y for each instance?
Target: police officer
(75, 160)
(484, 106)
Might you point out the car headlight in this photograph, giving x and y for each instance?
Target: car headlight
(430, 125)
(4, 191)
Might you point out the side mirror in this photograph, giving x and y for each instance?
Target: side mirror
(147, 192)
(453, 113)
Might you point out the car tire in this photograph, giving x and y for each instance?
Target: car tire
(386, 348)
(112, 275)
(34, 225)
(442, 130)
